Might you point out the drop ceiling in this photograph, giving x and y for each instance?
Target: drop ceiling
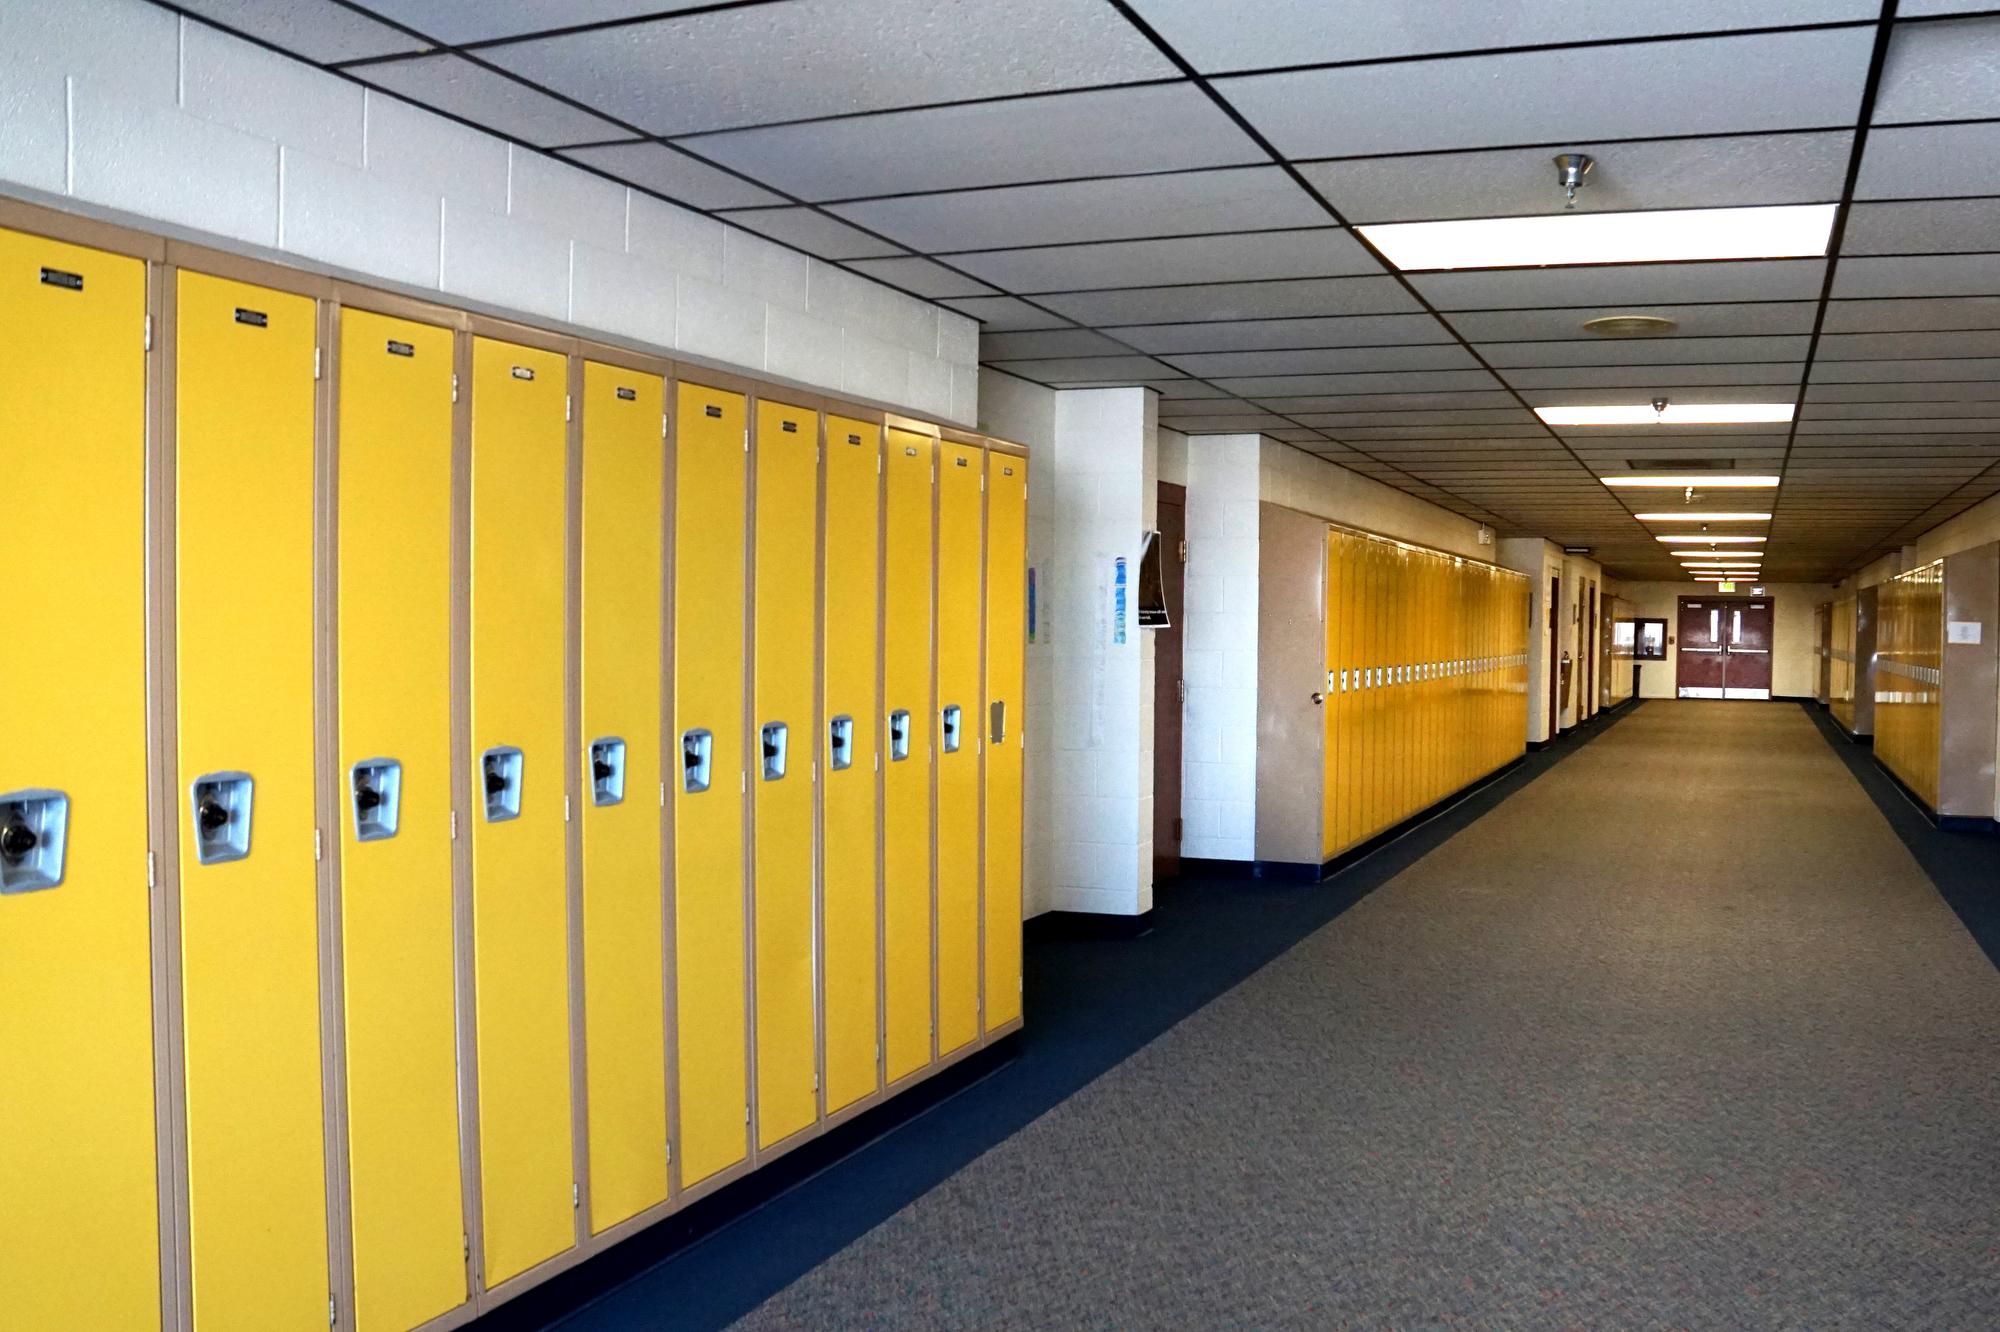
(1164, 192)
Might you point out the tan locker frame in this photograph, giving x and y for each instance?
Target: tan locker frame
(164, 258)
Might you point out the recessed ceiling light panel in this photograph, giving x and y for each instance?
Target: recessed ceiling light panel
(1787, 231)
(1703, 517)
(1674, 413)
(1705, 539)
(1733, 481)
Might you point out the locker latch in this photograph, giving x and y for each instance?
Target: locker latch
(840, 743)
(899, 735)
(773, 742)
(607, 771)
(377, 790)
(949, 728)
(697, 747)
(500, 773)
(34, 830)
(220, 803)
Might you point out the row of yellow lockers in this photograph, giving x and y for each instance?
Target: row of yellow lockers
(1426, 681)
(569, 786)
(1909, 661)
(1842, 669)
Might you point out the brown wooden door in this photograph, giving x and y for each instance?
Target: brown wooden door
(1747, 640)
(1587, 649)
(1703, 647)
(1169, 688)
(1555, 649)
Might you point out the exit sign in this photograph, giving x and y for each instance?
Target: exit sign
(1725, 587)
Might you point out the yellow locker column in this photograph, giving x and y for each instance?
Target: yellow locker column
(244, 599)
(711, 1006)
(960, 543)
(520, 902)
(1334, 624)
(393, 758)
(1006, 644)
(907, 759)
(851, 571)
(621, 776)
(782, 773)
(76, 1006)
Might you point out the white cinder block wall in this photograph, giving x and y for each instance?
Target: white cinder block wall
(124, 109)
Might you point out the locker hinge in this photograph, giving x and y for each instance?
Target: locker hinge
(332, 1312)
(149, 332)
(152, 870)
(576, 1195)
(982, 484)
(565, 809)
(670, 1151)
(663, 425)
(663, 795)
(746, 440)
(454, 387)
(878, 464)
(1183, 550)
(316, 362)
(746, 1114)
(454, 825)
(319, 849)
(566, 407)
(466, 1240)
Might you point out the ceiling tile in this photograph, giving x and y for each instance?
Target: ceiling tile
(1251, 334)
(1689, 393)
(1892, 397)
(313, 29)
(662, 170)
(1241, 300)
(1190, 203)
(1930, 227)
(1644, 351)
(1926, 161)
(457, 87)
(1391, 382)
(1650, 376)
(834, 57)
(1908, 345)
(1694, 320)
(1718, 85)
(998, 314)
(1890, 372)
(1918, 275)
(921, 276)
(1117, 131)
(1332, 360)
(456, 22)
(1672, 173)
(1299, 32)
(1618, 284)
(1047, 342)
(1325, 252)
(1896, 315)
(1940, 71)
(1087, 369)
(1342, 402)
(814, 232)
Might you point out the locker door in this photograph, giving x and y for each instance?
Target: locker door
(244, 599)
(907, 764)
(851, 569)
(396, 907)
(621, 775)
(1370, 759)
(76, 967)
(1331, 789)
(1006, 644)
(959, 623)
(1348, 686)
(710, 967)
(520, 861)
(783, 774)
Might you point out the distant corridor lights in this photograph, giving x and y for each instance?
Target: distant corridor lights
(1705, 539)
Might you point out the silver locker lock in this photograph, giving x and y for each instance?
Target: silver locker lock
(34, 835)
(773, 742)
(375, 788)
(949, 728)
(840, 743)
(501, 770)
(697, 752)
(220, 805)
(607, 771)
(899, 735)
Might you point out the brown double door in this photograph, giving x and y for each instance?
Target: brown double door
(1169, 689)
(1724, 648)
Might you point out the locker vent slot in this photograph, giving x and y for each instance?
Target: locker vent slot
(376, 786)
(401, 348)
(219, 804)
(34, 832)
(697, 749)
(899, 735)
(500, 778)
(789, 427)
(774, 741)
(254, 318)
(627, 395)
(840, 743)
(854, 439)
(1008, 471)
(607, 771)
(950, 719)
(523, 372)
(712, 410)
(56, 277)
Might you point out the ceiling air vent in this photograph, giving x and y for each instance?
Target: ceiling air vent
(1629, 326)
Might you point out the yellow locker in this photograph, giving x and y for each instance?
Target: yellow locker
(520, 902)
(1331, 700)
(782, 776)
(393, 757)
(851, 571)
(621, 776)
(1006, 641)
(244, 448)
(1348, 685)
(1374, 755)
(76, 1006)
(960, 544)
(907, 942)
(710, 966)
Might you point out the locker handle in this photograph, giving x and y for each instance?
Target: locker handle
(950, 723)
(607, 771)
(840, 743)
(996, 720)
(697, 747)
(222, 803)
(899, 735)
(774, 738)
(503, 769)
(33, 830)
(378, 790)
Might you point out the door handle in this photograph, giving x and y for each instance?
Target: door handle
(1318, 697)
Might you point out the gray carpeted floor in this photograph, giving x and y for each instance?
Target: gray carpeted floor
(1678, 1037)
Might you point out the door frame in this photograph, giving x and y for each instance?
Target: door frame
(1169, 696)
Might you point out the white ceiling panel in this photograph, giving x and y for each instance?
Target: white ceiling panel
(834, 57)
(1890, 372)
(1895, 398)
(1919, 275)
(1941, 71)
(813, 232)
(1720, 85)
(1325, 360)
(1048, 342)
(1693, 320)
(1645, 351)
(1926, 161)
(1392, 382)
(1300, 32)
(1193, 203)
(1325, 252)
(1930, 227)
(1239, 300)
(1639, 285)
(1906, 345)
(457, 22)
(313, 29)
(1900, 415)
(661, 169)
(1933, 313)
(1252, 334)
(1650, 376)
(1673, 173)
(1087, 369)
(922, 276)
(1118, 131)
(1005, 313)
(460, 88)
(1340, 402)
(1684, 394)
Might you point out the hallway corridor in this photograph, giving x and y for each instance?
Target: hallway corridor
(1678, 1035)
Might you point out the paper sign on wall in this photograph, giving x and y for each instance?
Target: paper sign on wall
(1118, 602)
(1962, 631)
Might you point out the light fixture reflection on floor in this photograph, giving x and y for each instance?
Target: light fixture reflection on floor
(1786, 231)
(1675, 413)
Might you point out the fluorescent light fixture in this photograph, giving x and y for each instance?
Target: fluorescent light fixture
(1675, 413)
(1717, 481)
(1703, 517)
(1706, 538)
(1718, 564)
(1789, 231)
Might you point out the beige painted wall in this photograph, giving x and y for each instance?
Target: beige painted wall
(1540, 560)
(1303, 481)
(1794, 665)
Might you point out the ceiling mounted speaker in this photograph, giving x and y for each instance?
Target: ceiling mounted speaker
(1629, 326)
